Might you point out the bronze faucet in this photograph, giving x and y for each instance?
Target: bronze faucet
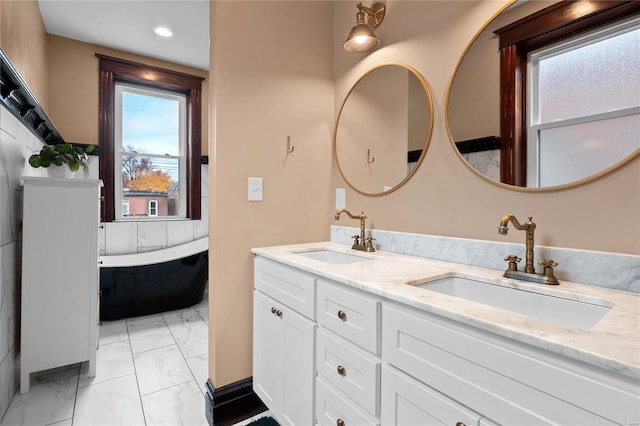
(529, 274)
(360, 242)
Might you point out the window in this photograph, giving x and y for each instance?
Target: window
(153, 208)
(150, 146)
(557, 23)
(157, 83)
(583, 105)
(125, 208)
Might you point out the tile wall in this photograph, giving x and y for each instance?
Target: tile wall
(16, 145)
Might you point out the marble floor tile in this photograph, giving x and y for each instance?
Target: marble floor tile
(177, 405)
(161, 368)
(199, 367)
(48, 401)
(146, 333)
(115, 402)
(65, 422)
(113, 361)
(192, 339)
(113, 331)
(181, 317)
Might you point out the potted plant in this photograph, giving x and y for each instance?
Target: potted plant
(73, 155)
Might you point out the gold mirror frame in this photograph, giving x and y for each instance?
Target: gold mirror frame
(570, 185)
(427, 93)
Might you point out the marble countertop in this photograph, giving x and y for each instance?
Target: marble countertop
(612, 343)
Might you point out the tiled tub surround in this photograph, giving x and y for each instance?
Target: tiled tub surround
(611, 344)
(581, 266)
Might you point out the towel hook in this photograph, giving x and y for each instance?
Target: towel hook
(369, 159)
(289, 147)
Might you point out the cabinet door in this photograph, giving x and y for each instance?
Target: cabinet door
(268, 348)
(298, 335)
(283, 360)
(407, 402)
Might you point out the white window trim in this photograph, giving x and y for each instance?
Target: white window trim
(118, 152)
(125, 206)
(155, 207)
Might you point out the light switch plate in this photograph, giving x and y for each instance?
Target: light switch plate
(255, 189)
(341, 196)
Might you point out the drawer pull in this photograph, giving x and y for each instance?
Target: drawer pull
(460, 424)
(341, 370)
(279, 313)
(339, 422)
(273, 310)
(342, 315)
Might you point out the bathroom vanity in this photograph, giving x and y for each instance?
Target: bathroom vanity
(347, 338)
(60, 298)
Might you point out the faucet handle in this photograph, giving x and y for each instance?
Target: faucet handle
(548, 263)
(548, 270)
(513, 261)
(369, 241)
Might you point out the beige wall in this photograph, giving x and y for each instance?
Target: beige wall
(23, 40)
(444, 197)
(271, 78)
(74, 83)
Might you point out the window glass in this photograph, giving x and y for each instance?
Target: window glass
(150, 141)
(594, 77)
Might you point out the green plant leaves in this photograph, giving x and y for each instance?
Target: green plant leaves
(73, 155)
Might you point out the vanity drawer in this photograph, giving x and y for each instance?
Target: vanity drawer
(501, 379)
(350, 314)
(408, 402)
(331, 408)
(353, 371)
(290, 286)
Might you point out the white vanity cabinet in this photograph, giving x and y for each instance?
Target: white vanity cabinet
(505, 382)
(60, 284)
(382, 360)
(284, 341)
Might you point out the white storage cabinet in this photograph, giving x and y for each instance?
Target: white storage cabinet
(284, 341)
(60, 283)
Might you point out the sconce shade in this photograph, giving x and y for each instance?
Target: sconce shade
(361, 38)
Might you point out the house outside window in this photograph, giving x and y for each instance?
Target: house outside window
(153, 208)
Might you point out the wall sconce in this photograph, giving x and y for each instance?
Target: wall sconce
(361, 38)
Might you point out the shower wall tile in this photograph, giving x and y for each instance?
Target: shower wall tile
(121, 238)
(152, 236)
(8, 298)
(179, 232)
(201, 227)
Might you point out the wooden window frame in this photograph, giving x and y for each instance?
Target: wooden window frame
(555, 23)
(114, 70)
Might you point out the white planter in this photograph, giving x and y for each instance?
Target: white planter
(60, 171)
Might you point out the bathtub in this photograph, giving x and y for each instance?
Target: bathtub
(152, 282)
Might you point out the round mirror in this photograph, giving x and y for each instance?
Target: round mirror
(383, 129)
(591, 125)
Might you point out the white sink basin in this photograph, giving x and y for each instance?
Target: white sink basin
(332, 256)
(549, 307)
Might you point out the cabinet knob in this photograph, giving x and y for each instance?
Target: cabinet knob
(279, 313)
(342, 315)
(460, 424)
(339, 422)
(273, 310)
(341, 370)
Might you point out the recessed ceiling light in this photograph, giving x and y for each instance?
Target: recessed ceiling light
(164, 32)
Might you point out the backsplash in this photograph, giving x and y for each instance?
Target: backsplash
(581, 266)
